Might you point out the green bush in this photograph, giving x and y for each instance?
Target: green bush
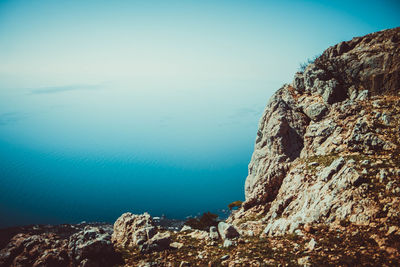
(235, 204)
(204, 223)
(304, 65)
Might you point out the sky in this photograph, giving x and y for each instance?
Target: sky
(114, 106)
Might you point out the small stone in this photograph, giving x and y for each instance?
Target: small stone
(176, 245)
(229, 243)
(308, 228)
(311, 245)
(313, 164)
(184, 264)
(351, 161)
(225, 257)
(298, 232)
(304, 261)
(186, 228)
(392, 229)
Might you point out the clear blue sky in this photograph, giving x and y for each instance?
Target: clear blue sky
(109, 106)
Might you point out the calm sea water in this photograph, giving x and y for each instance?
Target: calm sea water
(69, 154)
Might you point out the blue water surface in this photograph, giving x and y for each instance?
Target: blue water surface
(73, 155)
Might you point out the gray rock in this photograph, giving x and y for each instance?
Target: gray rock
(186, 228)
(311, 245)
(313, 164)
(386, 119)
(316, 111)
(176, 245)
(298, 82)
(329, 171)
(184, 264)
(214, 233)
(225, 257)
(304, 261)
(159, 242)
(229, 243)
(92, 247)
(363, 95)
(227, 231)
(131, 230)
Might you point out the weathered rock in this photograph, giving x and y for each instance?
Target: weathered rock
(327, 173)
(93, 247)
(63, 245)
(315, 111)
(304, 261)
(298, 82)
(214, 233)
(159, 242)
(35, 250)
(311, 245)
(132, 230)
(198, 234)
(227, 231)
(316, 133)
(186, 228)
(229, 243)
(176, 245)
(184, 264)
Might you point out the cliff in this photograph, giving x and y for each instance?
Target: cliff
(327, 146)
(323, 187)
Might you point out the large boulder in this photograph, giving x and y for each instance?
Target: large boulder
(132, 230)
(93, 247)
(213, 233)
(159, 242)
(227, 231)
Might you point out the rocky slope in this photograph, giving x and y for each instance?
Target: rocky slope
(323, 187)
(328, 144)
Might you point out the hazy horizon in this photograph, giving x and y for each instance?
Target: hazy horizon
(108, 107)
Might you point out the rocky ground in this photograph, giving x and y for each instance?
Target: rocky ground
(137, 241)
(311, 245)
(323, 187)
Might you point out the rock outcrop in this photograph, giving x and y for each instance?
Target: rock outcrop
(65, 245)
(139, 231)
(327, 147)
(132, 230)
(92, 247)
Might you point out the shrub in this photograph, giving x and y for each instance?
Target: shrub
(309, 61)
(235, 204)
(204, 223)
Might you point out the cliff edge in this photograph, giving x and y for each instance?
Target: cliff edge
(327, 146)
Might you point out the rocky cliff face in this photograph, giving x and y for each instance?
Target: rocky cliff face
(327, 147)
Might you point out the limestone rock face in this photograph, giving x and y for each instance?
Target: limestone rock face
(133, 230)
(324, 140)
